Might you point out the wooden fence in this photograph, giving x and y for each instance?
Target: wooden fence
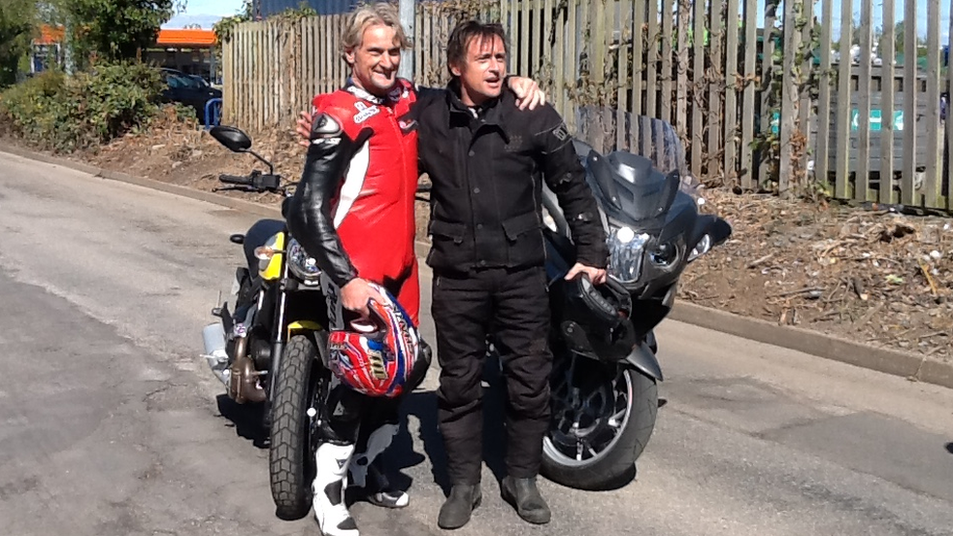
(272, 69)
(760, 102)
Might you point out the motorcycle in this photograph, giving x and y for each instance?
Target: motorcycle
(604, 382)
(272, 349)
(605, 375)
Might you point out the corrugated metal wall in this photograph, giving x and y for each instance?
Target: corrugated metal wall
(266, 8)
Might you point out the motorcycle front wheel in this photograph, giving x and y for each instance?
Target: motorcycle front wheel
(602, 418)
(291, 452)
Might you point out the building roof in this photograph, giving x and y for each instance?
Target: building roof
(186, 37)
(167, 38)
(49, 35)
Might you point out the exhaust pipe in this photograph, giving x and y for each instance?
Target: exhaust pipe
(214, 338)
(241, 378)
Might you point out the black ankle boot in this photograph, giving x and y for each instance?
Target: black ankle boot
(523, 494)
(456, 511)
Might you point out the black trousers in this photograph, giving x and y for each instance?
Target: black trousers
(511, 306)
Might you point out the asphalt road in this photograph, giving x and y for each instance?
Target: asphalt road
(110, 423)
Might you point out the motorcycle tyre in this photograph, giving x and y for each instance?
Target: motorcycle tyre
(291, 470)
(616, 467)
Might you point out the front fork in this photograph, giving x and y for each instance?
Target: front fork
(280, 339)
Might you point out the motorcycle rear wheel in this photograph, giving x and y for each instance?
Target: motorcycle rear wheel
(291, 452)
(603, 417)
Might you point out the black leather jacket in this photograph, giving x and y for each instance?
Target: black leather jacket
(487, 192)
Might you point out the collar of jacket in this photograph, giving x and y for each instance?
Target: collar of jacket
(363, 94)
(490, 113)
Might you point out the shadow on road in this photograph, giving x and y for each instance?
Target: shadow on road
(949, 448)
(422, 405)
(246, 418)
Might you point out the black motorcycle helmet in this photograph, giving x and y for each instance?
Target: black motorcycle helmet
(594, 319)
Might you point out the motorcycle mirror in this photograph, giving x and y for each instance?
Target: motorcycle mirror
(720, 231)
(234, 139)
(237, 141)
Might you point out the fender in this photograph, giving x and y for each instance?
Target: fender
(643, 359)
(303, 325)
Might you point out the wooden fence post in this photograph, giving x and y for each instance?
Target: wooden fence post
(731, 93)
(862, 176)
(767, 77)
(748, 179)
(789, 95)
(716, 83)
(822, 155)
(887, 88)
(698, 82)
(933, 182)
(842, 126)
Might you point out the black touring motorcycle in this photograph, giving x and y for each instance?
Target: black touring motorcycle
(605, 372)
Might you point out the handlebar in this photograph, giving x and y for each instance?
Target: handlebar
(256, 182)
(235, 179)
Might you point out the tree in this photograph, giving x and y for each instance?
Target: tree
(117, 29)
(17, 26)
(224, 27)
(899, 38)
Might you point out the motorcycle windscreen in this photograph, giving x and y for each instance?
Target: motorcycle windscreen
(609, 129)
(642, 193)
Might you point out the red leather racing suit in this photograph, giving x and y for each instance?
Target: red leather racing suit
(354, 208)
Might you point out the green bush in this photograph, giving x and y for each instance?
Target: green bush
(91, 108)
(31, 107)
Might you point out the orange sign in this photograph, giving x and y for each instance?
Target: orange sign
(167, 38)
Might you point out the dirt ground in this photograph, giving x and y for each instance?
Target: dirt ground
(871, 276)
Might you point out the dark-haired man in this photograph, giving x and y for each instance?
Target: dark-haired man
(486, 163)
(353, 211)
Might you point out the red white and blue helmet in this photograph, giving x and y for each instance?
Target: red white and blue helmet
(375, 356)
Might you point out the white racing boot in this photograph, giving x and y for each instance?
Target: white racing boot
(364, 474)
(330, 480)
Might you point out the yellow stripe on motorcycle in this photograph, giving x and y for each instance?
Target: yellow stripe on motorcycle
(270, 270)
(303, 325)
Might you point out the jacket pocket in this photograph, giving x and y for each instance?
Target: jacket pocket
(445, 229)
(518, 225)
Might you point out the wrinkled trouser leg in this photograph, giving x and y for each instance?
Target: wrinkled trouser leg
(522, 339)
(517, 304)
(461, 310)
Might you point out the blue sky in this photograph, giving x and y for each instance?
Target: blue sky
(205, 13)
(213, 7)
(220, 8)
(877, 14)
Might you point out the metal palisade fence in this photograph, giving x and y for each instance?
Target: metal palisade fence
(765, 95)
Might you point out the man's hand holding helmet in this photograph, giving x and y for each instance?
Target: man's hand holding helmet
(378, 356)
(355, 295)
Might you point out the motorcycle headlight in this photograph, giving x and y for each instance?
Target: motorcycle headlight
(704, 245)
(301, 264)
(664, 255)
(626, 249)
(266, 252)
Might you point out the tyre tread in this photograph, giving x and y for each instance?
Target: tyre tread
(287, 466)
